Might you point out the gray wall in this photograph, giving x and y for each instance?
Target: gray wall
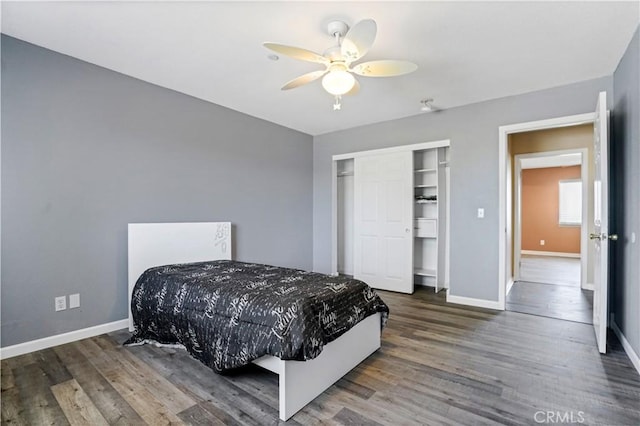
(473, 131)
(625, 189)
(87, 150)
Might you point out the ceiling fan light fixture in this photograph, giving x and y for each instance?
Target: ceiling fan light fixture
(351, 45)
(338, 82)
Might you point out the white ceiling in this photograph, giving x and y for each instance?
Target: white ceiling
(466, 51)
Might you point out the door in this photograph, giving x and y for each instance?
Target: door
(383, 246)
(600, 235)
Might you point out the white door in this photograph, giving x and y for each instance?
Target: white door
(383, 246)
(600, 235)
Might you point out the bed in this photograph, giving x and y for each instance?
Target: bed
(203, 252)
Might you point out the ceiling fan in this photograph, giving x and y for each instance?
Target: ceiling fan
(351, 45)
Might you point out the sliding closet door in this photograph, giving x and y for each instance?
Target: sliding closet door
(383, 246)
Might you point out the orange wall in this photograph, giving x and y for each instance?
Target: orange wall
(540, 211)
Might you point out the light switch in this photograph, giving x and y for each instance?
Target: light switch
(480, 213)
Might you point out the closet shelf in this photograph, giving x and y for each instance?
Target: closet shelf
(425, 170)
(425, 272)
(425, 186)
(427, 201)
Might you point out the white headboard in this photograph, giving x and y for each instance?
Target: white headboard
(157, 244)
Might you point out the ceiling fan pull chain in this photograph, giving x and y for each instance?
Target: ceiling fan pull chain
(337, 105)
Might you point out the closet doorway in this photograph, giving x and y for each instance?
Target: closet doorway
(390, 222)
(550, 259)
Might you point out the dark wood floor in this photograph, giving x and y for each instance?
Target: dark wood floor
(439, 364)
(550, 287)
(568, 303)
(550, 270)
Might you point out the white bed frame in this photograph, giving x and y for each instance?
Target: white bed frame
(156, 244)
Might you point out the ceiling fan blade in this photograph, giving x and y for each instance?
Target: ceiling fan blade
(384, 68)
(296, 52)
(303, 79)
(354, 90)
(358, 40)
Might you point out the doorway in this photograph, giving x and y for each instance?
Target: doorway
(565, 135)
(599, 236)
(550, 222)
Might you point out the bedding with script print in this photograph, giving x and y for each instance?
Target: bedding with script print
(228, 313)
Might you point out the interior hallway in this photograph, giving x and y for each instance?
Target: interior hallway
(550, 287)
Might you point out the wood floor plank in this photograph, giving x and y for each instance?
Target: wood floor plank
(19, 361)
(11, 407)
(357, 389)
(220, 413)
(198, 416)
(107, 400)
(76, 405)
(164, 391)
(217, 390)
(145, 404)
(51, 365)
(40, 406)
(549, 300)
(351, 418)
(439, 364)
(6, 373)
(260, 383)
(233, 400)
(169, 372)
(135, 393)
(388, 407)
(559, 271)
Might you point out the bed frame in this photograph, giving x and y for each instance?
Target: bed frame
(156, 244)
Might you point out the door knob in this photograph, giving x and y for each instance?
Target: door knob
(613, 237)
(595, 236)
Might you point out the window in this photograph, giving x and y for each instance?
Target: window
(570, 202)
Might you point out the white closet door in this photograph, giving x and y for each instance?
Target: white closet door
(383, 246)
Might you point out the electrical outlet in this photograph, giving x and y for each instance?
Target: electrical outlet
(541, 242)
(74, 300)
(480, 213)
(61, 303)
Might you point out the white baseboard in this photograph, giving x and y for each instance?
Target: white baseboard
(61, 339)
(633, 356)
(509, 285)
(481, 303)
(551, 253)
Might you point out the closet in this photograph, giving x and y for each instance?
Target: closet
(430, 217)
(390, 216)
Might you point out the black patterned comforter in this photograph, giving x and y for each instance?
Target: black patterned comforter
(228, 313)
